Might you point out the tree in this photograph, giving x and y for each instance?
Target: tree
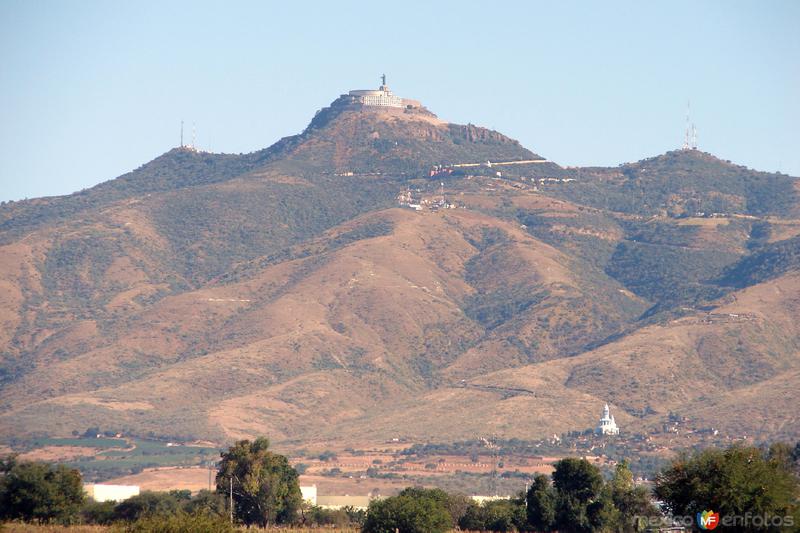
(732, 482)
(602, 514)
(504, 515)
(265, 488)
(577, 479)
(541, 504)
(577, 484)
(457, 505)
(39, 492)
(632, 502)
(473, 518)
(416, 511)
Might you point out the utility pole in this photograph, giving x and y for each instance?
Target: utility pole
(231, 499)
(495, 465)
(527, 484)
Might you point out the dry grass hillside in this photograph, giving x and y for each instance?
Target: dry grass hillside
(386, 314)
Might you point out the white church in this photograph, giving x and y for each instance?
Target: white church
(607, 425)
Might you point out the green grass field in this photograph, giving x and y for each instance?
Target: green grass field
(83, 442)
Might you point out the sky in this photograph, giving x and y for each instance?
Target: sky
(90, 90)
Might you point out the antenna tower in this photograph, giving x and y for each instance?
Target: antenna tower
(491, 444)
(181, 134)
(687, 135)
(194, 136)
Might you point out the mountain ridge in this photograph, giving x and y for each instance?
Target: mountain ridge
(223, 296)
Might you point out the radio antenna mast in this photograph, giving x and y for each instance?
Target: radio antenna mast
(181, 134)
(686, 136)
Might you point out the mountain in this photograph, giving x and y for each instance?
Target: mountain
(323, 290)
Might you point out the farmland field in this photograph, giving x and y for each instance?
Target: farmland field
(101, 459)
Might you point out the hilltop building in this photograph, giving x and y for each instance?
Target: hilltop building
(607, 424)
(382, 97)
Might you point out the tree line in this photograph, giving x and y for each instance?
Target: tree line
(264, 491)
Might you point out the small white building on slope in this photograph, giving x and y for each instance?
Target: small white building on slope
(607, 425)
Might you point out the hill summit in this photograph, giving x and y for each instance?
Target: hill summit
(375, 131)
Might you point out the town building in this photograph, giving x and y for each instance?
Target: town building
(309, 494)
(607, 424)
(340, 502)
(110, 493)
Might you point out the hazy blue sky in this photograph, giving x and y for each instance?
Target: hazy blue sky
(90, 90)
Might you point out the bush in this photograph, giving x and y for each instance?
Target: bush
(101, 513)
(180, 522)
(412, 511)
(348, 516)
(147, 504)
(499, 515)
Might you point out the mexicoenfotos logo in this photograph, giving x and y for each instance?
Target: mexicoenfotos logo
(707, 520)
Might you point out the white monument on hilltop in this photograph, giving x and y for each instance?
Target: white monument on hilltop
(381, 98)
(607, 425)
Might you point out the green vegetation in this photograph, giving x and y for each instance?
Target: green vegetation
(337, 518)
(137, 455)
(580, 500)
(738, 481)
(412, 511)
(768, 262)
(683, 183)
(236, 226)
(497, 515)
(734, 482)
(264, 486)
(176, 169)
(567, 233)
(39, 492)
(667, 273)
(577, 500)
(180, 522)
(84, 442)
(122, 456)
